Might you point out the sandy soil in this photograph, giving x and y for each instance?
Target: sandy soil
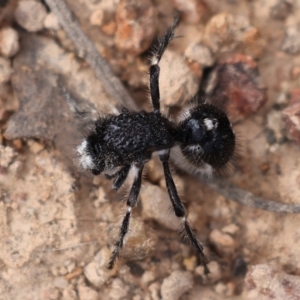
(57, 225)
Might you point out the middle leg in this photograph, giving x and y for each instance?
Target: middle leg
(131, 202)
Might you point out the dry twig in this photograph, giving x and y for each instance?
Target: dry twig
(87, 49)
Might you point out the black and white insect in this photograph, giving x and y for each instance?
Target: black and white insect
(124, 142)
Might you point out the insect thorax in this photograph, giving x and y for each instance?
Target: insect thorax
(126, 138)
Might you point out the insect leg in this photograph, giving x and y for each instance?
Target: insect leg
(120, 176)
(131, 202)
(180, 211)
(154, 68)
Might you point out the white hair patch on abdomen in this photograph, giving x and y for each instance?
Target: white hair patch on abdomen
(85, 159)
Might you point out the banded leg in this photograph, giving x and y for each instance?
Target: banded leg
(154, 68)
(131, 202)
(180, 211)
(120, 176)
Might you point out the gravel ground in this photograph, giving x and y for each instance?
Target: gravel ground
(57, 225)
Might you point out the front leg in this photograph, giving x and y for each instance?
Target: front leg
(120, 176)
(180, 210)
(154, 68)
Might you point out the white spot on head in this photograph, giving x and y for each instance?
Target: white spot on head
(85, 159)
(210, 124)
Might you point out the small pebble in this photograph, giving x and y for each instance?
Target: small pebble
(54, 294)
(282, 100)
(158, 207)
(96, 271)
(295, 96)
(51, 22)
(69, 293)
(186, 84)
(220, 288)
(231, 229)
(140, 241)
(5, 70)
(224, 243)
(62, 270)
(215, 272)
(267, 282)
(148, 277)
(174, 286)
(224, 32)
(118, 290)
(154, 291)
(291, 117)
(224, 289)
(135, 25)
(86, 293)
(291, 43)
(192, 11)
(295, 72)
(60, 282)
(281, 10)
(31, 15)
(70, 265)
(275, 124)
(7, 155)
(109, 28)
(190, 263)
(101, 198)
(200, 54)
(154, 171)
(9, 42)
(97, 17)
(291, 120)
(105, 19)
(35, 147)
(206, 294)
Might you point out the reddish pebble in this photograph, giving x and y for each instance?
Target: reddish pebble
(295, 96)
(236, 85)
